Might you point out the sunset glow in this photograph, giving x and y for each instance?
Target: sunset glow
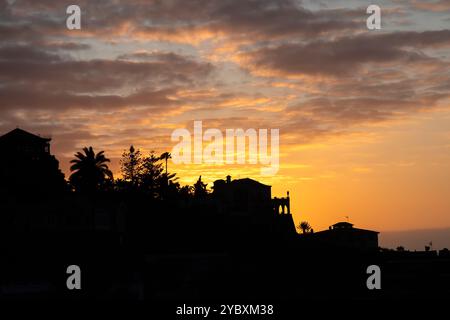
(364, 116)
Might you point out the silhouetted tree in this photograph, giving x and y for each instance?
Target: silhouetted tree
(168, 185)
(89, 170)
(146, 174)
(304, 226)
(166, 156)
(186, 192)
(200, 189)
(131, 167)
(171, 192)
(152, 175)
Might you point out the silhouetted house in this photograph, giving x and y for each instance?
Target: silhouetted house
(243, 196)
(444, 253)
(344, 235)
(36, 201)
(26, 163)
(251, 201)
(24, 144)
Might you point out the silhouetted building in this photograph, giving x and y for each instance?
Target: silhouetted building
(252, 201)
(344, 235)
(444, 253)
(243, 196)
(24, 144)
(282, 205)
(27, 165)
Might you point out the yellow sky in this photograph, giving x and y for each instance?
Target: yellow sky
(393, 177)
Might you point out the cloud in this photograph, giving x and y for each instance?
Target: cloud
(45, 79)
(180, 20)
(434, 5)
(345, 55)
(13, 99)
(28, 64)
(137, 69)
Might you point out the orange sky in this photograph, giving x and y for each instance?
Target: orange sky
(364, 116)
(393, 178)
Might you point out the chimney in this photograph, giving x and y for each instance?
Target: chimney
(228, 179)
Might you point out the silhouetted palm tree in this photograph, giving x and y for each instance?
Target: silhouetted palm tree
(304, 226)
(166, 156)
(89, 170)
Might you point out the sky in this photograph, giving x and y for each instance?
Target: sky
(363, 115)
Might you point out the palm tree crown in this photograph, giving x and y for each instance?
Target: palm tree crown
(89, 170)
(166, 156)
(304, 226)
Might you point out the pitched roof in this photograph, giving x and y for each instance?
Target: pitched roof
(249, 181)
(343, 225)
(20, 134)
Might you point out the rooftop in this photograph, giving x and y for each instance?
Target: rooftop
(19, 134)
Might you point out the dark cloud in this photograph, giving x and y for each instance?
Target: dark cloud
(345, 55)
(36, 78)
(26, 99)
(24, 53)
(29, 64)
(248, 18)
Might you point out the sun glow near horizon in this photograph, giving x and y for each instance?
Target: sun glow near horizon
(363, 114)
(383, 180)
